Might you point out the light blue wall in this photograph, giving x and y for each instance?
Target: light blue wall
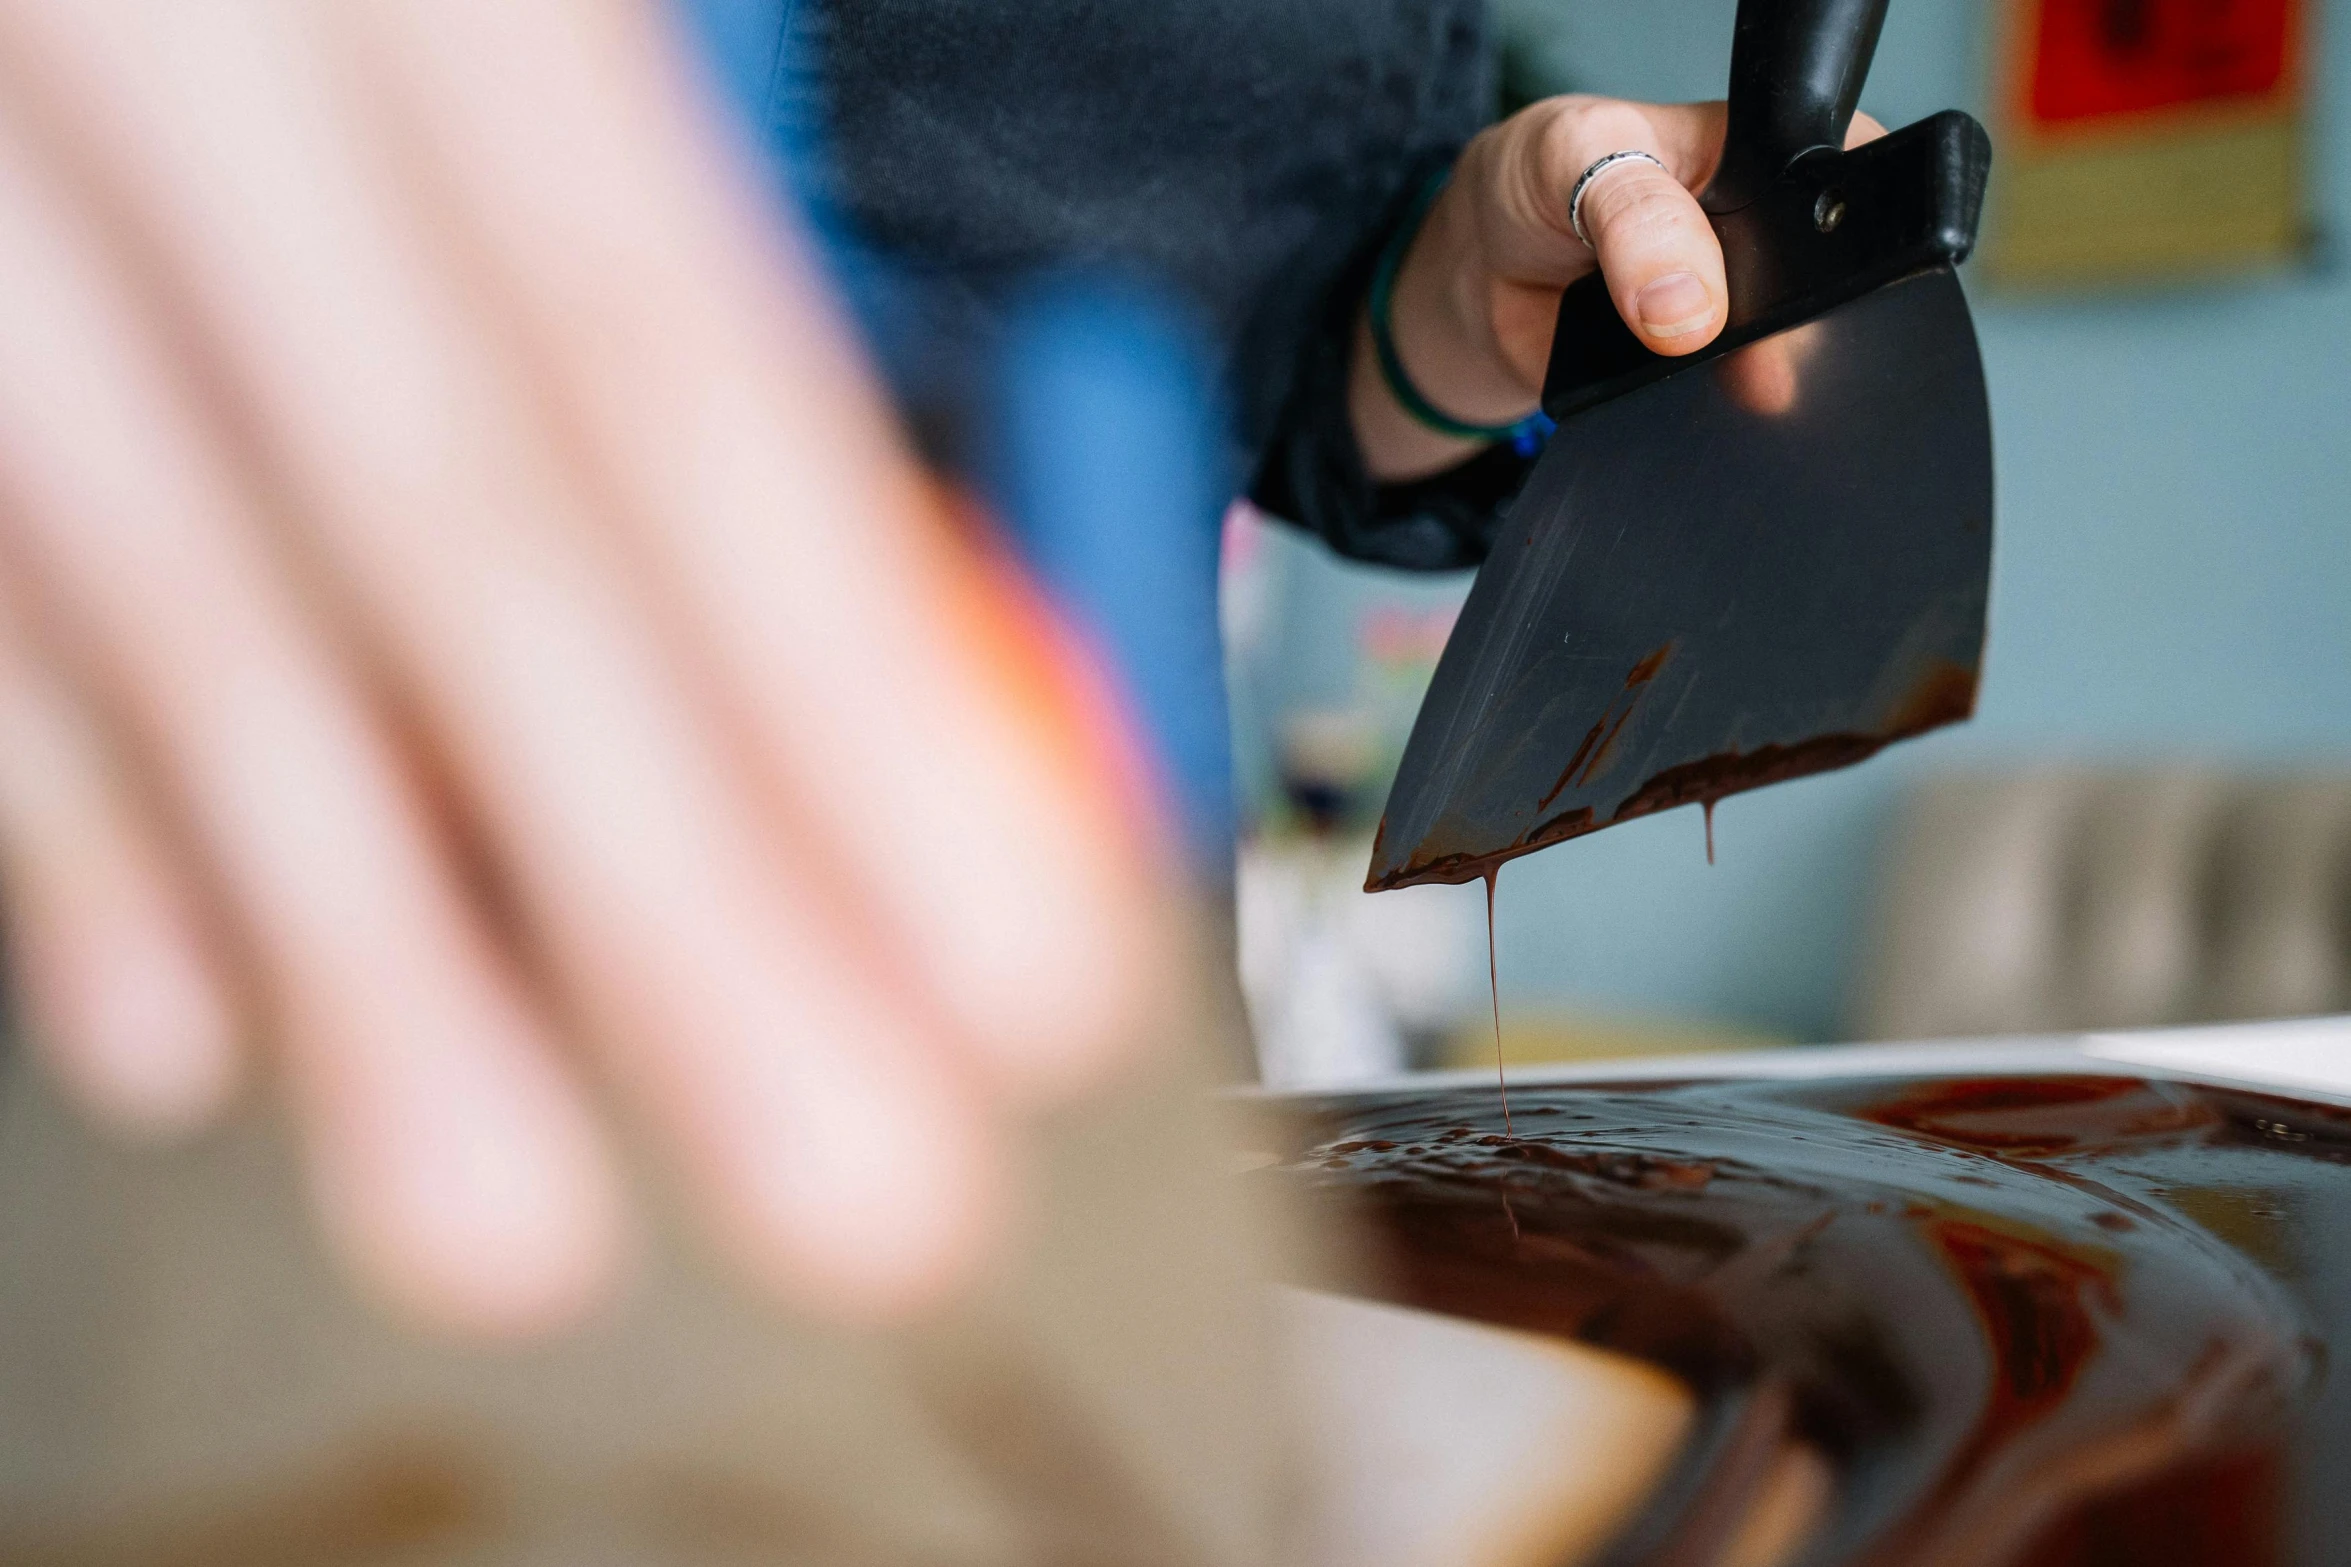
(2173, 574)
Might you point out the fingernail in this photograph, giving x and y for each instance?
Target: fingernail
(166, 1043)
(1675, 304)
(149, 1041)
(872, 1209)
(488, 1211)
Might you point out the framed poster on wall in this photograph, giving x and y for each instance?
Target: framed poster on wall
(2144, 139)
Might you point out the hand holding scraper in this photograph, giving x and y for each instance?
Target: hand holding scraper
(1764, 559)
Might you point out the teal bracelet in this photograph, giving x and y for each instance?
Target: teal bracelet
(1383, 339)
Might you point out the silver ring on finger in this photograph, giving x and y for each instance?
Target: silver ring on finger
(1575, 197)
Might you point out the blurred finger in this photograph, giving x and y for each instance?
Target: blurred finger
(796, 1087)
(115, 982)
(451, 1159)
(1865, 128)
(893, 693)
(1767, 376)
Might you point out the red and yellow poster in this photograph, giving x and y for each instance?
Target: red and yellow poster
(2140, 139)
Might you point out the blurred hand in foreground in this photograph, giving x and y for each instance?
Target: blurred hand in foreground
(473, 644)
(1478, 292)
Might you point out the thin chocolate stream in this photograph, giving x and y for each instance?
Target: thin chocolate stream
(1494, 989)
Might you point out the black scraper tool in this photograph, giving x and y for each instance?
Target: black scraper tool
(1763, 560)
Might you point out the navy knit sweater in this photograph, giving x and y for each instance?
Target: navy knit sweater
(1249, 156)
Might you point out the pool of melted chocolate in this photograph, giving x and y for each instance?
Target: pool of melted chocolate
(2053, 1321)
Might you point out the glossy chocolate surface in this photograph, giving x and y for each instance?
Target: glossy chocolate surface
(2055, 1321)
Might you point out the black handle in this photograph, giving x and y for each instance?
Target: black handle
(1805, 225)
(1796, 73)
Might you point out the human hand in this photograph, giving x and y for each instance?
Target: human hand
(474, 647)
(1477, 295)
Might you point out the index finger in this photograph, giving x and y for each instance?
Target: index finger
(781, 528)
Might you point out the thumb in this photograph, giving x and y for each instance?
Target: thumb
(1656, 250)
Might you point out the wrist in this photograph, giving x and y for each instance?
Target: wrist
(1429, 386)
(1441, 318)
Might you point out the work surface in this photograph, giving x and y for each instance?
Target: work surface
(2048, 1311)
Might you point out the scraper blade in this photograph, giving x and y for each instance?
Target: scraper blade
(1770, 565)
(1765, 559)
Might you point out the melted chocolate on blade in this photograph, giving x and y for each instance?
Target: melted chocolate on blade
(1945, 695)
(2044, 1321)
